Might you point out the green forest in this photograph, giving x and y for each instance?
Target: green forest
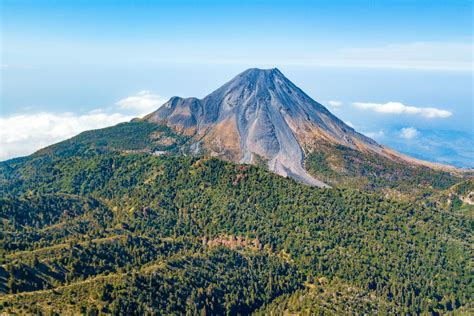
(99, 226)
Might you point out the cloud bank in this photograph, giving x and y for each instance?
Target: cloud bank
(23, 134)
(400, 108)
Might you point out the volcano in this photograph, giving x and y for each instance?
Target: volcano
(261, 116)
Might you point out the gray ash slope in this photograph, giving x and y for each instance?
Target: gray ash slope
(258, 116)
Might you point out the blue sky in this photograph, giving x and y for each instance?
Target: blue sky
(72, 65)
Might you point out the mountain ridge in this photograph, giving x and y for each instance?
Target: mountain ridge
(86, 228)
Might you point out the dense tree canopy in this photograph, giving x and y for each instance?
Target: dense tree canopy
(97, 231)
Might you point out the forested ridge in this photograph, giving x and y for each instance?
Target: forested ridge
(100, 231)
(344, 167)
(189, 234)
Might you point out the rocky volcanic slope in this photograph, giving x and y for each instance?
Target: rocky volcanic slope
(259, 114)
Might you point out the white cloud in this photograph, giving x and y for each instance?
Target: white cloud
(334, 103)
(375, 135)
(349, 123)
(144, 102)
(400, 108)
(24, 134)
(408, 132)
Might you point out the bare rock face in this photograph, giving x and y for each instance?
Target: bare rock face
(260, 115)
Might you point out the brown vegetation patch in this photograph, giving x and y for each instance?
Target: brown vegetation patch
(166, 141)
(234, 242)
(224, 140)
